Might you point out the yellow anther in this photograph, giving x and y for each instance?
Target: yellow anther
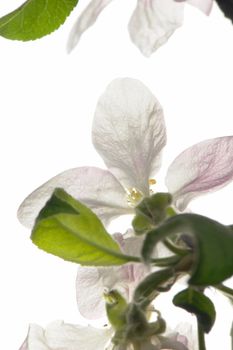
(152, 182)
(110, 297)
(133, 196)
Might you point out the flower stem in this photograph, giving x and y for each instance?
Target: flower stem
(175, 248)
(162, 262)
(201, 337)
(226, 290)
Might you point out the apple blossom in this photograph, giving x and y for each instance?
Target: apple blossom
(151, 25)
(59, 335)
(129, 133)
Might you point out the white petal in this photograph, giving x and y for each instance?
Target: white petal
(172, 344)
(96, 188)
(129, 275)
(203, 5)
(202, 168)
(59, 335)
(91, 282)
(89, 290)
(153, 22)
(85, 20)
(129, 132)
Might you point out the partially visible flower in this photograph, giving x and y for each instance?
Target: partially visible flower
(92, 282)
(59, 335)
(129, 133)
(151, 25)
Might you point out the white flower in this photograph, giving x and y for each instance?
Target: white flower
(129, 133)
(61, 336)
(152, 22)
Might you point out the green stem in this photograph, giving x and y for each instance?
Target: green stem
(175, 248)
(201, 337)
(226, 290)
(171, 260)
(130, 258)
(162, 262)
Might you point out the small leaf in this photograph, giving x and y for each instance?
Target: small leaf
(141, 224)
(116, 307)
(70, 230)
(155, 206)
(35, 19)
(197, 303)
(212, 251)
(227, 8)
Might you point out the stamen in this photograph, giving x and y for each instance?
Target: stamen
(133, 196)
(110, 297)
(152, 182)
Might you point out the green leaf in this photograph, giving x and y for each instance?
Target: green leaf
(200, 305)
(35, 19)
(212, 252)
(70, 230)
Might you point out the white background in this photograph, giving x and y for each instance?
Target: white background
(47, 101)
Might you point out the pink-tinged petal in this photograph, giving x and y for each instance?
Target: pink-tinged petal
(59, 335)
(175, 341)
(85, 20)
(153, 22)
(24, 346)
(90, 285)
(129, 275)
(92, 282)
(172, 344)
(129, 132)
(203, 5)
(186, 334)
(96, 188)
(204, 167)
(162, 343)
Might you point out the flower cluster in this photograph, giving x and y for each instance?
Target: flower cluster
(129, 133)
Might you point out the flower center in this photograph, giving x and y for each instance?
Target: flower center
(110, 297)
(152, 182)
(133, 196)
